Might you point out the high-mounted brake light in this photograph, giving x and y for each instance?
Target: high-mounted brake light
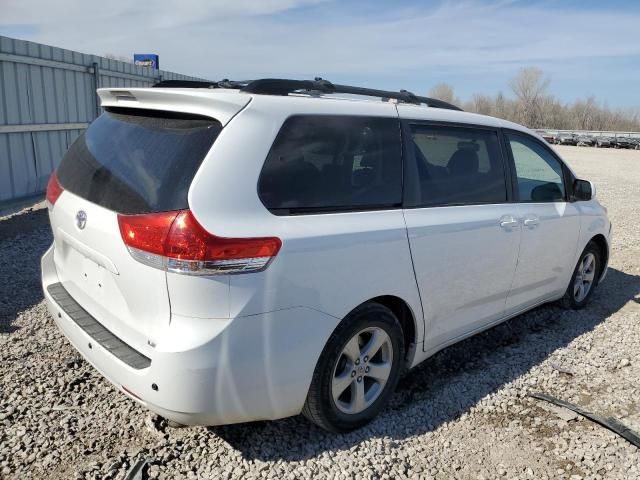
(176, 242)
(54, 189)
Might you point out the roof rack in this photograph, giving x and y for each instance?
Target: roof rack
(279, 86)
(276, 86)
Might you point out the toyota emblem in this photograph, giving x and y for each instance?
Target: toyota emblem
(81, 219)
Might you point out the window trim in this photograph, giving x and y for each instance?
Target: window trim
(409, 202)
(568, 189)
(334, 210)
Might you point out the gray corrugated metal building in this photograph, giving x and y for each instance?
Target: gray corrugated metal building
(47, 98)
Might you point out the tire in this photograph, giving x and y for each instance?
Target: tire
(571, 299)
(329, 413)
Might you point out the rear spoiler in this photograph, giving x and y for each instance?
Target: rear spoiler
(220, 105)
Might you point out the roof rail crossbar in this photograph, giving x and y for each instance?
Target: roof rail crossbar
(277, 86)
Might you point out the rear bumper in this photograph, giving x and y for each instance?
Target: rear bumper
(102, 336)
(212, 371)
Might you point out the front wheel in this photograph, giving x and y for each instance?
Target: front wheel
(584, 279)
(358, 370)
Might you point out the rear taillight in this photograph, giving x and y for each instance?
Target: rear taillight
(176, 242)
(54, 189)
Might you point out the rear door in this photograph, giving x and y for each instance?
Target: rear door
(463, 233)
(550, 223)
(129, 161)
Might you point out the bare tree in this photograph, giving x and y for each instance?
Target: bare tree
(535, 108)
(583, 114)
(501, 107)
(444, 92)
(482, 104)
(530, 86)
(554, 113)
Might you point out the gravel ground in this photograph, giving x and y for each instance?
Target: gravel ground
(464, 413)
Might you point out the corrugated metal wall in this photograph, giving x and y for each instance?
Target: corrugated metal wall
(47, 98)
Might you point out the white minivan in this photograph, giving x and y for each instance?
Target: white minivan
(236, 251)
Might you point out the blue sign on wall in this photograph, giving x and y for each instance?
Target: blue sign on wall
(147, 60)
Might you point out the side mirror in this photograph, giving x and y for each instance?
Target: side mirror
(583, 190)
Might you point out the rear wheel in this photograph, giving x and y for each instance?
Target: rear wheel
(358, 370)
(584, 279)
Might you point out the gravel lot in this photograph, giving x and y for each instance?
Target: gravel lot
(462, 414)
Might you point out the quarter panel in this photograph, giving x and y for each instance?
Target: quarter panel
(333, 263)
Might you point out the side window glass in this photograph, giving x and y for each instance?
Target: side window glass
(458, 166)
(538, 172)
(333, 163)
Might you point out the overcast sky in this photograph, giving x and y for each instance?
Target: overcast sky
(586, 47)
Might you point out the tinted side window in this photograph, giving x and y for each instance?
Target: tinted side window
(458, 166)
(539, 173)
(333, 163)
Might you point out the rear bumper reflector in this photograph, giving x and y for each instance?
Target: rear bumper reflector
(95, 330)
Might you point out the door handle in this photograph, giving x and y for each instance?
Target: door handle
(508, 222)
(531, 222)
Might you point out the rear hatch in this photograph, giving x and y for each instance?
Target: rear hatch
(130, 161)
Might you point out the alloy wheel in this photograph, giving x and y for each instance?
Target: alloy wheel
(362, 370)
(584, 277)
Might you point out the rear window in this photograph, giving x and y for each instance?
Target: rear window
(138, 161)
(333, 163)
